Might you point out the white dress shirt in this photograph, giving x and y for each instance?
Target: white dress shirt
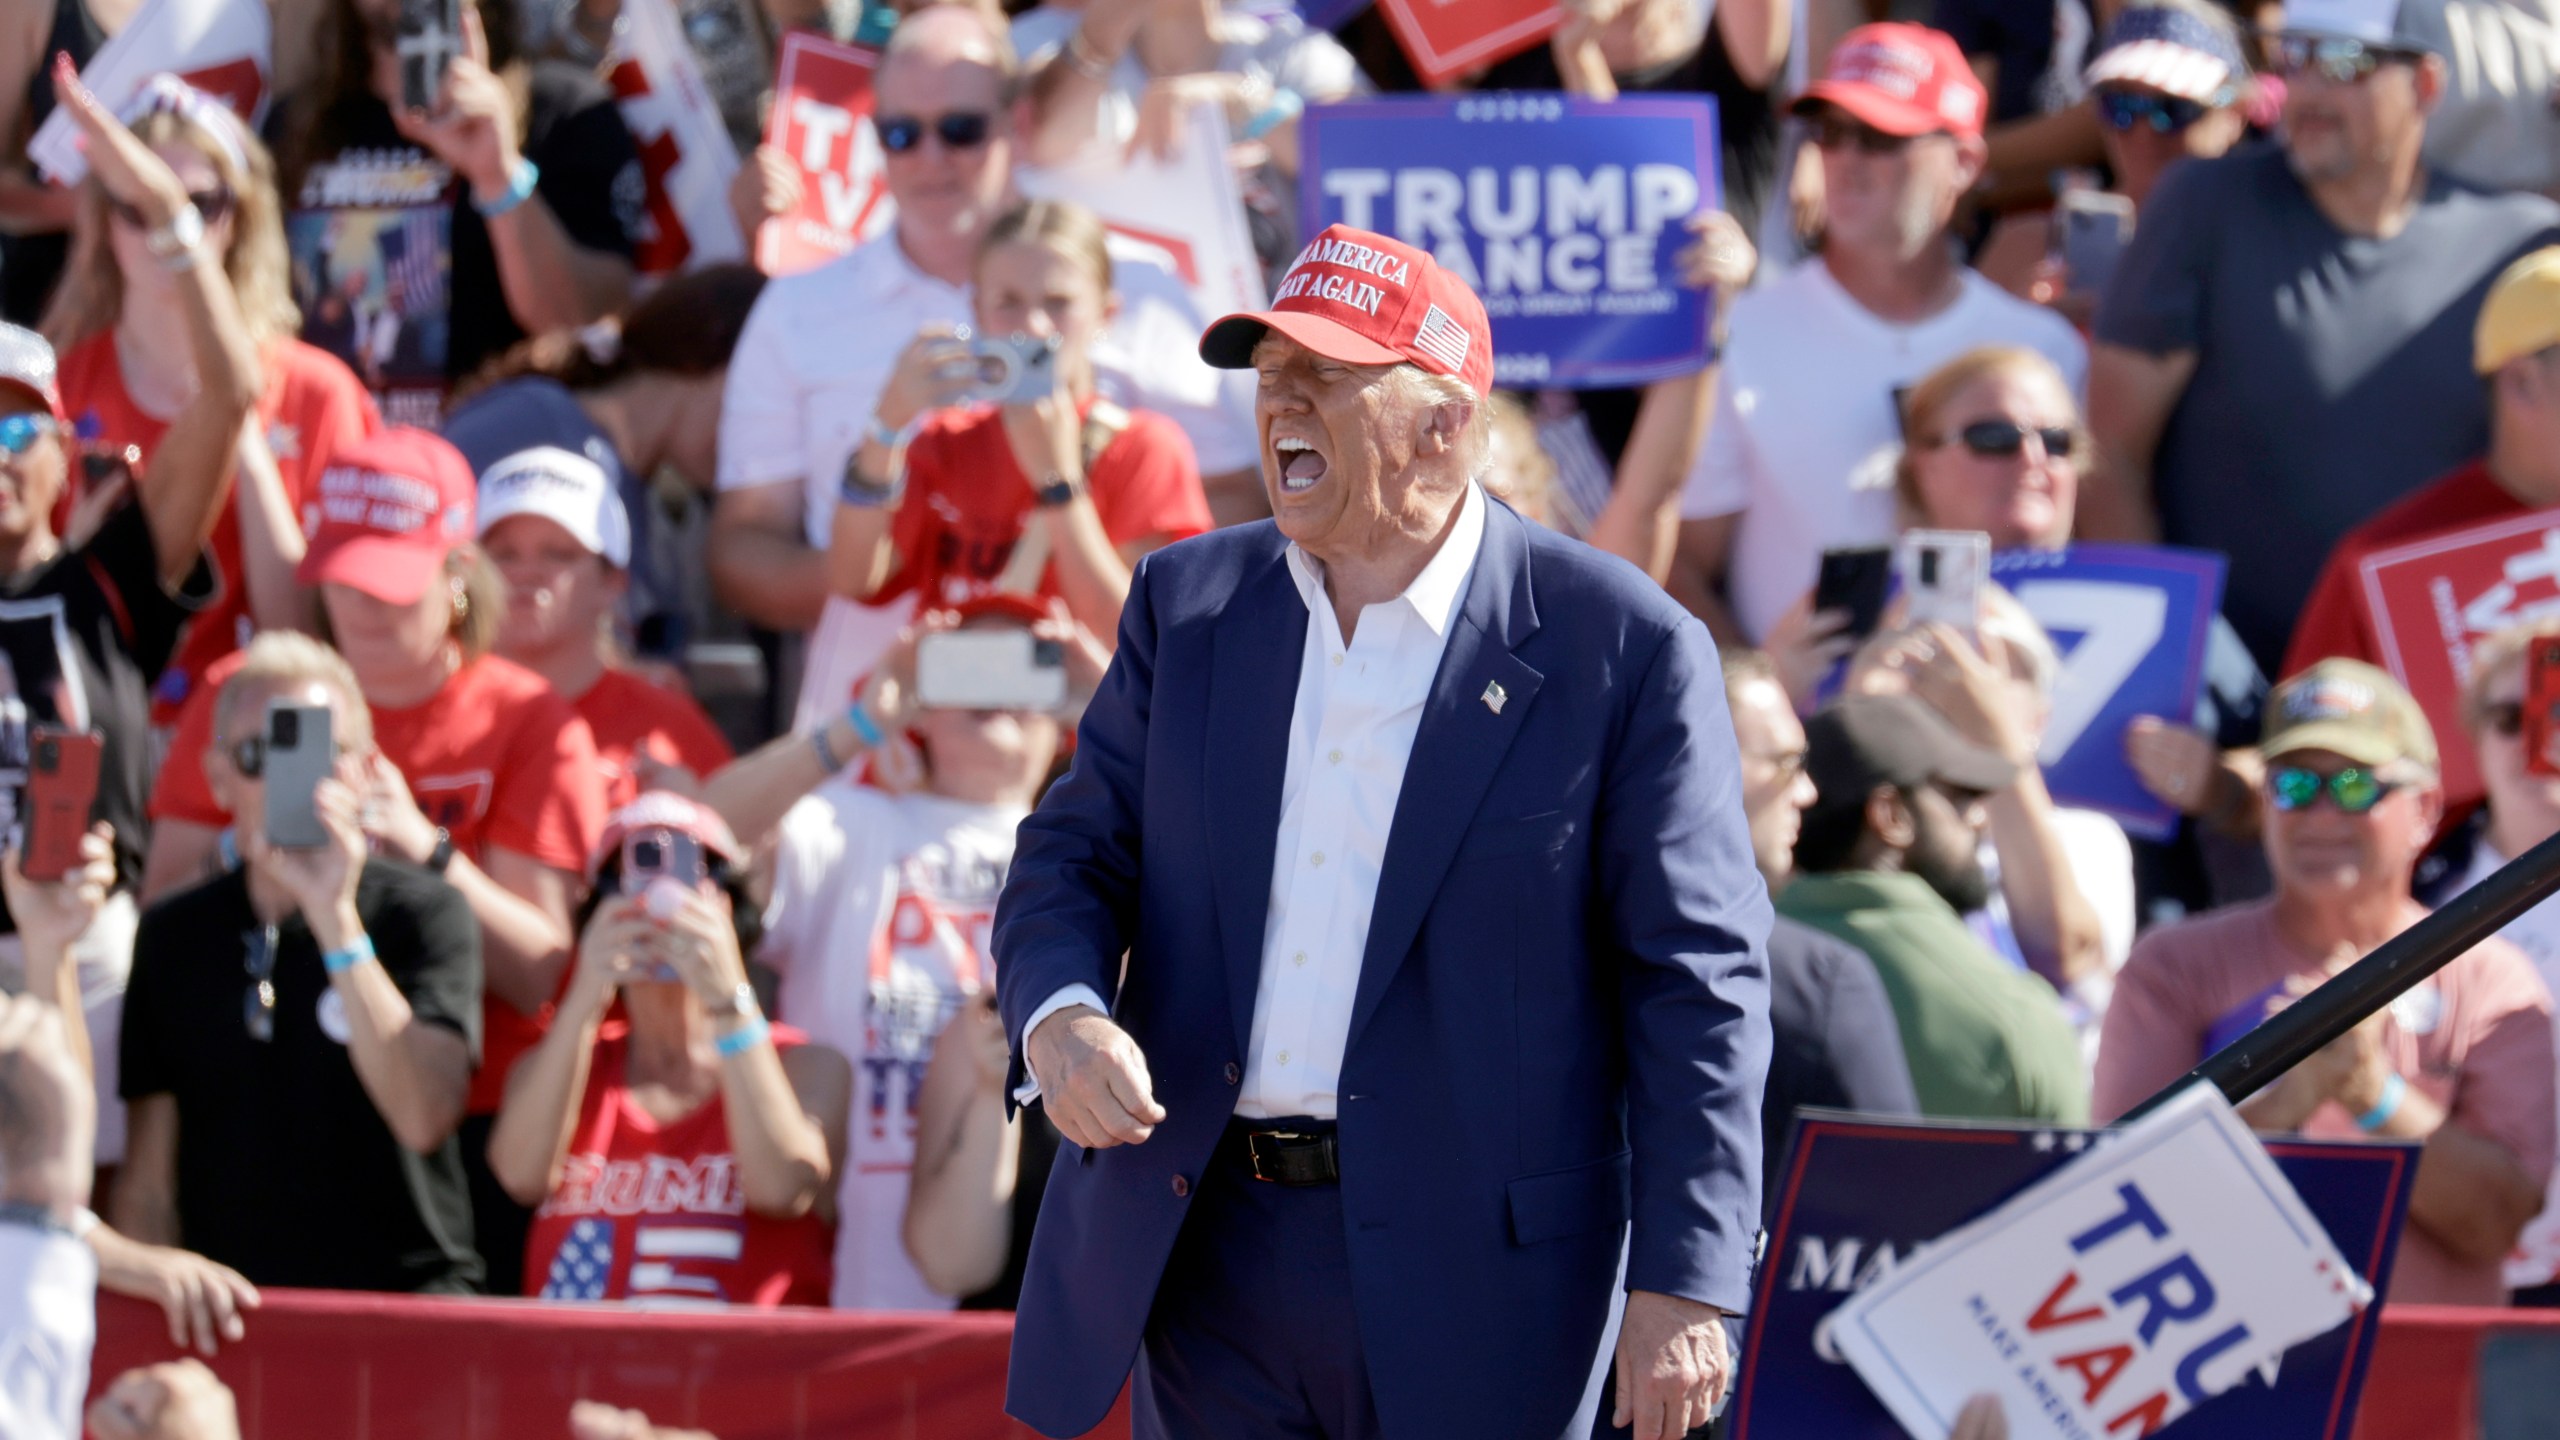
(1358, 708)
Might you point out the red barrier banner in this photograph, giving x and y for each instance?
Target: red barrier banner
(822, 120)
(1447, 38)
(391, 1367)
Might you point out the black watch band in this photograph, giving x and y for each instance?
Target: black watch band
(1058, 490)
(442, 855)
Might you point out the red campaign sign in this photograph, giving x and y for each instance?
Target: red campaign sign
(2432, 601)
(666, 245)
(238, 84)
(822, 120)
(1447, 38)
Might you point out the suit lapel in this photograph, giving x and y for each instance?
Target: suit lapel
(1255, 655)
(1460, 744)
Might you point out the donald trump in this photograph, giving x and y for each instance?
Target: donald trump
(1420, 831)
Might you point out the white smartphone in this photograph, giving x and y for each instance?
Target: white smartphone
(990, 670)
(1943, 572)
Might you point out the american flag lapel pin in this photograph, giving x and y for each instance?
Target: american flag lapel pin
(1494, 695)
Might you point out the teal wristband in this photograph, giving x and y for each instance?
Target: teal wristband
(1285, 106)
(864, 726)
(520, 183)
(348, 956)
(2394, 1090)
(743, 1039)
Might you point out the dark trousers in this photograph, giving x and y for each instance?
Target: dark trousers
(499, 1225)
(1254, 1336)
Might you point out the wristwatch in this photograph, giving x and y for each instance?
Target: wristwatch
(183, 233)
(1057, 490)
(740, 1004)
(441, 856)
(862, 492)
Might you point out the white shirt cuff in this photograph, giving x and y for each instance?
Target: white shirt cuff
(1029, 1090)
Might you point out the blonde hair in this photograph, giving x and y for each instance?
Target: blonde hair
(91, 293)
(480, 601)
(280, 659)
(1518, 471)
(1924, 412)
(1063, 226)
(2492, 658)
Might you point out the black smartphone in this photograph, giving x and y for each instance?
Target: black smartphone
(1855, 581)
(430, 36)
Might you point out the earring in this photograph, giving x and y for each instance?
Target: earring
(461, 599)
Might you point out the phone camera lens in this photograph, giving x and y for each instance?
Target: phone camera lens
(649, 855)
(285, 728)
(48, 755)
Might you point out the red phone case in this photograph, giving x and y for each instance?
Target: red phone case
(59, 798)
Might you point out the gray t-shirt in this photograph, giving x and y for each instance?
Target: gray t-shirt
(2333, 371)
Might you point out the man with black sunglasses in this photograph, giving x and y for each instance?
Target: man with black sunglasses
(2287, 333)
(2463, 1063)
(301, 1030)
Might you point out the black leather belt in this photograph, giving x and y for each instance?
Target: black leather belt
(1292, 1157)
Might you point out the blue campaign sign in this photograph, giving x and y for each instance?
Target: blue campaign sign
(2131, 622)
(1857, 1196)
(1326, 14)
(1565, 215)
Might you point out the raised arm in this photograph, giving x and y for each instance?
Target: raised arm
(183, 491)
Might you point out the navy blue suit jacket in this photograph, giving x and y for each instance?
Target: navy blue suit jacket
(1561, 1020)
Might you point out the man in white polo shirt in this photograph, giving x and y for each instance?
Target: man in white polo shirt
(844, 356)
(1799, 456)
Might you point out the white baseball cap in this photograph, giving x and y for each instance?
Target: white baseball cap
(565, 488)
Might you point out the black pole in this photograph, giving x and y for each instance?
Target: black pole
(2288, 1037)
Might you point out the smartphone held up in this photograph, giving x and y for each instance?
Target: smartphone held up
(62, 788)
(430, 38)
(300, 749)
(1943, 575)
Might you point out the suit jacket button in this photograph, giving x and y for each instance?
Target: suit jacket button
(1181, 1187)
(1233, 1074)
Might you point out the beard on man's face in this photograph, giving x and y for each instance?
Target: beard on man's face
(1948, 856)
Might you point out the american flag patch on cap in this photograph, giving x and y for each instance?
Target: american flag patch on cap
(1443, 339)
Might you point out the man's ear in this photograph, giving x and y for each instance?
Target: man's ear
(2430, 77)
(1890, 817)
(1443, 424)
(1972, 154)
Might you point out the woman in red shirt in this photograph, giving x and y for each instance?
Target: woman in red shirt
(556, 530)
(1055, 495)
(682, 1154)
(485, 774)
(127, 369)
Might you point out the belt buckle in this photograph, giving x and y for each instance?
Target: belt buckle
(1253, 1149)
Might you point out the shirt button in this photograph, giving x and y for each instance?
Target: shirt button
(1233, 1074)
(1317, 860)
(1181, 1187)
(1298, 959)
(1335, 757)
(1284, 1057)
(1337, 659)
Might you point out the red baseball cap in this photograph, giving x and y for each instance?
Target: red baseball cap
(1902, 80)
(666, 810)
(385, 514)
(1364, 299)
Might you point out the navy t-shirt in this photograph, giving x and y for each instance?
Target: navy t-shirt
(1834, 1040)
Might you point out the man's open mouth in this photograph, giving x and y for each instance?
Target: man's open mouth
(1300, 464)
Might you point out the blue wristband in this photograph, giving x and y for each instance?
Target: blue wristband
(520, 183)
(743, 1039)
(864, 726)
(1286, 105)
(348, 956)
(2394, 1090)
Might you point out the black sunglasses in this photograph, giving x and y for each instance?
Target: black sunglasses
(258, 1007)
(212, 204)
(958, 130)
(2504, 716)
(1835, 131)
(2122, 110)
(2332, 57)
(2000, 439)
(249, 756)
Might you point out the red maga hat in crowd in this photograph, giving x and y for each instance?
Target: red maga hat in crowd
(1902, 80)
(1364, 299)
(385, 514)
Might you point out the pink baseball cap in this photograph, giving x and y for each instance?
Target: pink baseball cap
(666, 810)
(1902, 80)
(1364, 299)
(386, 512)
(26, 361)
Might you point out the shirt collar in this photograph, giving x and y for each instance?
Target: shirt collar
(1436, 593)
